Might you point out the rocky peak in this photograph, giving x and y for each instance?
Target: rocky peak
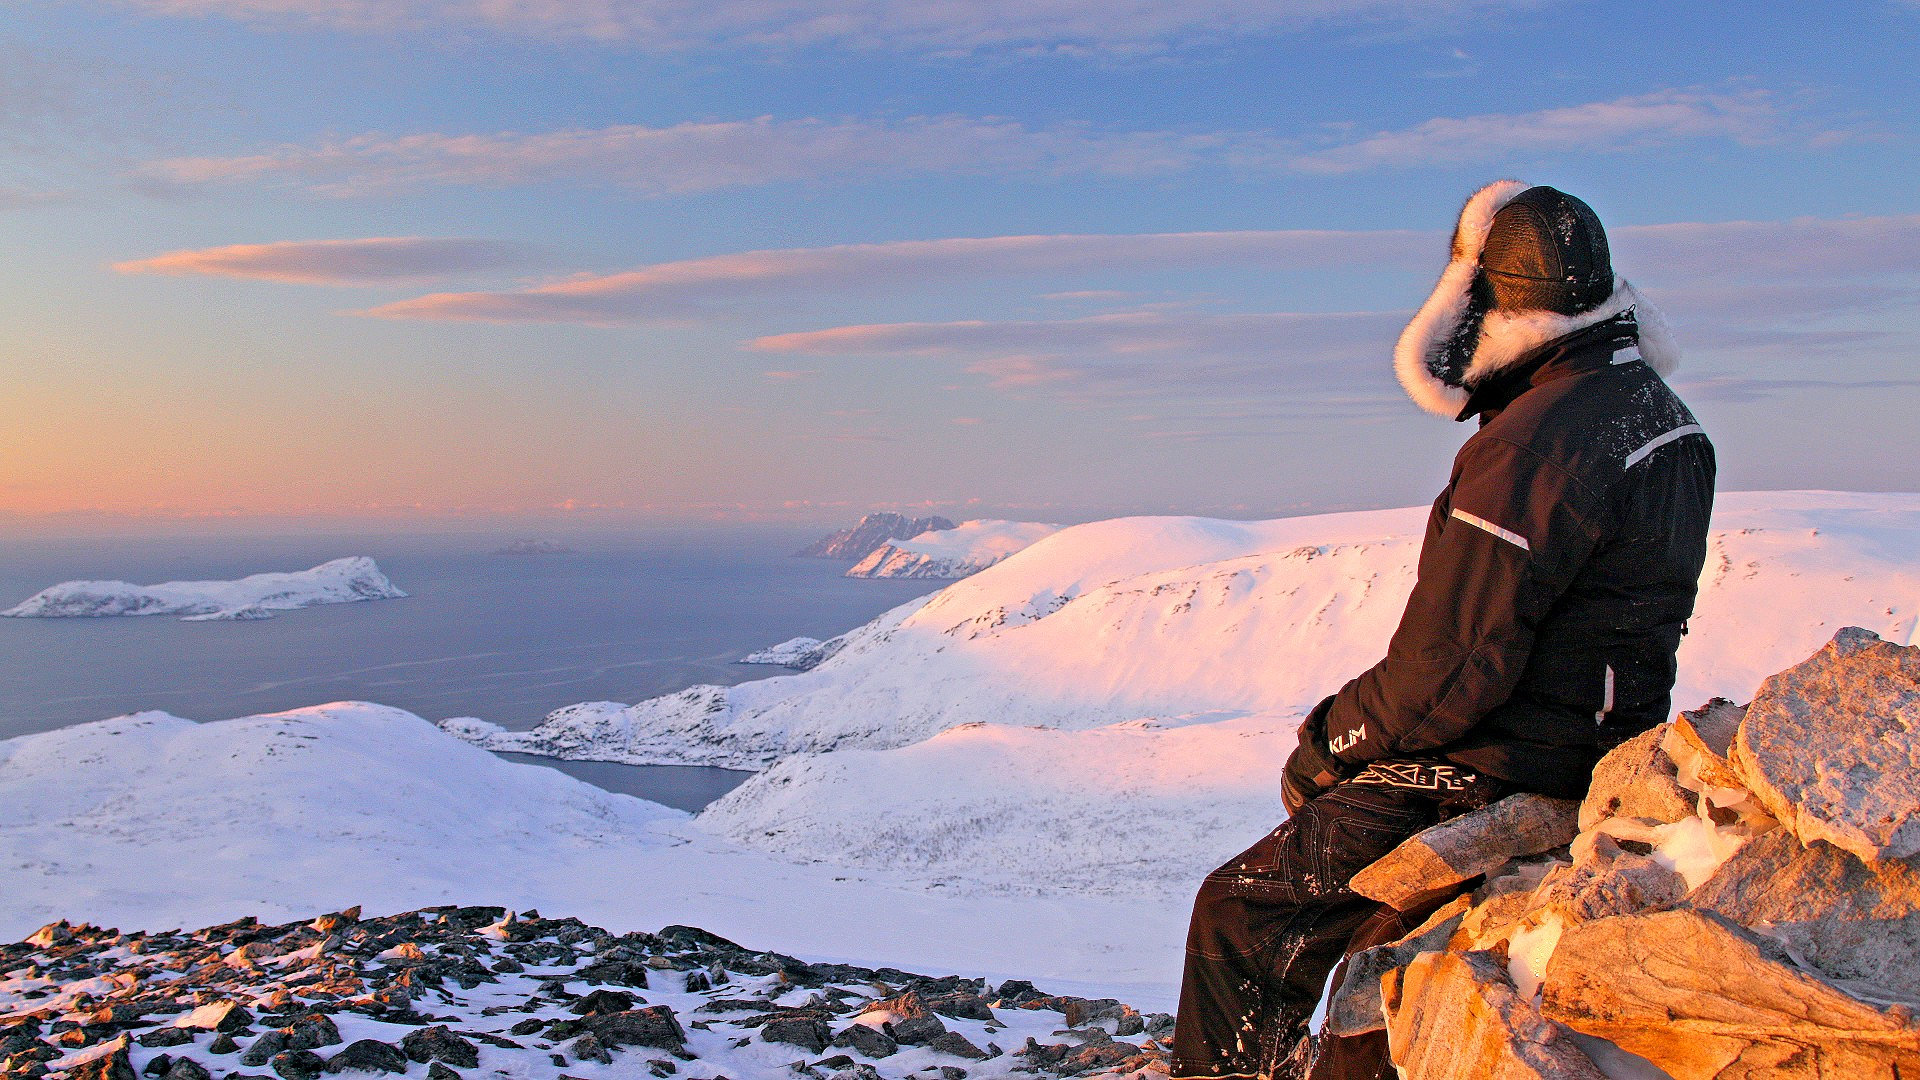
(871, 533)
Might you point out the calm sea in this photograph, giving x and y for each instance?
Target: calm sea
(507, 638)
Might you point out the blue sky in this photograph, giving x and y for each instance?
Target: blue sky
(661, 260)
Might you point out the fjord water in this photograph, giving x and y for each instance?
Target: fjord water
(506, 638)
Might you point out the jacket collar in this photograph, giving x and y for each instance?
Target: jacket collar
(1581, 350)
(1505, 339)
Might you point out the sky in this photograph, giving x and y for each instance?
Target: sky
(720, 260)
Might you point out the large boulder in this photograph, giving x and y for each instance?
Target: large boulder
(1852, 920)
(1458, 850)
(1702, 998)
(1831, 747)
(1457, 1015)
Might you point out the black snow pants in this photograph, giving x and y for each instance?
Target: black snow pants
(1271, 924)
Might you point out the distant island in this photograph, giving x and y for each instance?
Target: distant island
(256, 596)
(531, 546)
(860, 540)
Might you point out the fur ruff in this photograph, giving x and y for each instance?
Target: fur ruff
(1506, 337)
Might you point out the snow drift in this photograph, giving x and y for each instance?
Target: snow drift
(256, 596)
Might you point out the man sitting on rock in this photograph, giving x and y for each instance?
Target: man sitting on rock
(1556, 576)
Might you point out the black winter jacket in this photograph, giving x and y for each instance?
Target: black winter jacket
(1557, 573)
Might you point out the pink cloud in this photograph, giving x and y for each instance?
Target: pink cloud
(706, 156)
(1664, 116)
(333, 262)
(677, 289)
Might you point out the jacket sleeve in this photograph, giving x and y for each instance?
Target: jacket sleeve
(1505, 541)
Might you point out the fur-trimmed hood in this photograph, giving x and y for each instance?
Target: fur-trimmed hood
(1506, 337)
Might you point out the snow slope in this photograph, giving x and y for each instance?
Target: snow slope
(257, 596)
(154, 821)
(967, 548)
(1187, 620)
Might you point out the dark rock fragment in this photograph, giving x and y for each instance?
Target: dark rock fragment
(312, 1032)
(600, 1002)
(869, 1041)
(588, 1048)
(917, 1031)
(368, 1055)
(963, 1005)
(810, 1033)
(298, 1065)
(438, 1071)
(437, 1043)
(186, 1068)
(528, 1026)
(952, 1042)
(158, 1066)
(223, 1044)
(653, 1026)
(264, 1048)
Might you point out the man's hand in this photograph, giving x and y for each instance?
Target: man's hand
(1312, 769)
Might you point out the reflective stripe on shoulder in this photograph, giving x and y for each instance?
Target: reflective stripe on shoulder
(1640, 455)
(1479, 522)
(1625, 356)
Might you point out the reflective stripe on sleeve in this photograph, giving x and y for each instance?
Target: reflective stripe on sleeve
(1640, 455)
(1479, 522)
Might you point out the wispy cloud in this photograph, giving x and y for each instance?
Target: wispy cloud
(1659, 118)
(1115, 26)
(334, 262)
(694, 157)
(1315, 361)
(711, 155)
(675, 290)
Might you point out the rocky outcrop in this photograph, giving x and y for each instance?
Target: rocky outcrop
(869, 533)
(1741, 900)
(453, 992)
(1830, 748)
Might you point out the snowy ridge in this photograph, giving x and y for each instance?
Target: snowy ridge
(967, 548)
(256, 596)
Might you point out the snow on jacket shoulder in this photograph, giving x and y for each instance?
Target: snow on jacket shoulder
(1557, 573)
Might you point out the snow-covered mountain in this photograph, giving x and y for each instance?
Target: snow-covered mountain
(1187, 620)
(967, 548)
(256, 596)
(1141, 678)
(856, 541)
